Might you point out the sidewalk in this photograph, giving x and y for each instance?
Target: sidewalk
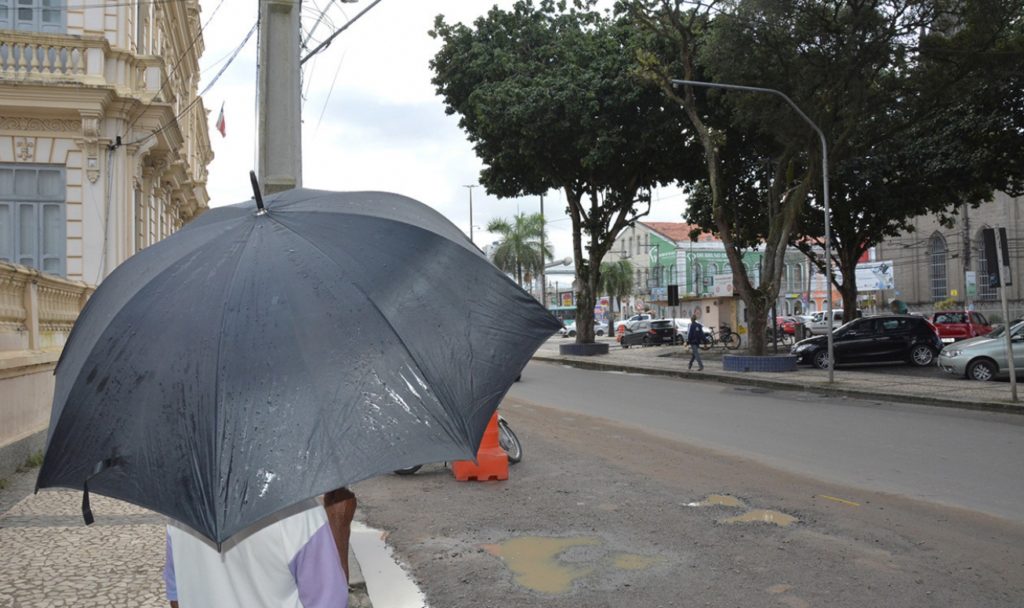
(936, 388)
(50, 559)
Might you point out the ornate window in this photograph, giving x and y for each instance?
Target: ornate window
(937, 252)
(698, 279)
(983, 265)
(32, 216)
(44, 16)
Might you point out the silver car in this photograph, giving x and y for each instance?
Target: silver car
(984, 358)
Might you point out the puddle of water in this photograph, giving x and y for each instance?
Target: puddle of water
(718, 500)
(534, 562)
(632, 561)
(764, 516)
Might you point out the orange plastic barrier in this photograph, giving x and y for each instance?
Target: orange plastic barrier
(492, 461)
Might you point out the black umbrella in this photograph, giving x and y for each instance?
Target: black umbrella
(255, 359)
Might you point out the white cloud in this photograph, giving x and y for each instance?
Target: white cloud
(371, 118)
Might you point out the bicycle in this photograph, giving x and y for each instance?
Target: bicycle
(724, 336)
(783, 338)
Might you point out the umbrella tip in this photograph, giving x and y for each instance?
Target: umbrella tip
(256, 192)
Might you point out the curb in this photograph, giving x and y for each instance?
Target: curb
(738, 379)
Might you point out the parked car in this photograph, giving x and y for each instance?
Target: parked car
(787, 324)
(960, 325)
(658, 331)
(818, 325)
(569, 330)
(683, 330)
(984, 358)
(630, 323)
(881, 338)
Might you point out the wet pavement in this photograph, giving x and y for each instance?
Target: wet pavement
(48, 558)
(891, 382)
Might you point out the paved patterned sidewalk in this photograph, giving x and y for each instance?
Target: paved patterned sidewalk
(50, 559)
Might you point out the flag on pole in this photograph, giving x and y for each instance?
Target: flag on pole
(220, 122)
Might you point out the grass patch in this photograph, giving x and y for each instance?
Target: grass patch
(32, 462)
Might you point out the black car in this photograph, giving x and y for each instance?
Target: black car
(661, 331)
(881, 338)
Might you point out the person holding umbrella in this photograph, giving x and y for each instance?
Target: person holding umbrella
(262, 357)
(291, 561)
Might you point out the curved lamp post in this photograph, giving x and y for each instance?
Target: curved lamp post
(824, 179)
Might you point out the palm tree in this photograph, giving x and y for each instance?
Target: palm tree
(617, 282)
(518, 252)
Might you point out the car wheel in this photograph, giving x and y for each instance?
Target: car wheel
(922, 356)
(572, 334)
(647, 341)
(981, 370)
(820, 359)
(599, 332)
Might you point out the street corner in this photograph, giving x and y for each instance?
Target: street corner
(559, 565)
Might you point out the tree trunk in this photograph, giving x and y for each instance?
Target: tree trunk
(848, 290)
(757, 324)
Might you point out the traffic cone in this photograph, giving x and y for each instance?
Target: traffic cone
(492, 461)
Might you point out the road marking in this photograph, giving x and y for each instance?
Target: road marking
(387, 584)
(839, 500)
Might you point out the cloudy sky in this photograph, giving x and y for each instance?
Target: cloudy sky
(371, 118)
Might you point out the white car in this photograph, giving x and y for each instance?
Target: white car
(569, 329)
(818, 325)
(631, 323)
(683, 330)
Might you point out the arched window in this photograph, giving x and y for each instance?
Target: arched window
(698, 279)
(982, 266)
(937, 252)
(797, 278)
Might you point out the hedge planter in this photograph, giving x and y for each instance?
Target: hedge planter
(583, 350)
(752, 363)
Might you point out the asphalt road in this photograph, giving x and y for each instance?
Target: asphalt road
(972, 460)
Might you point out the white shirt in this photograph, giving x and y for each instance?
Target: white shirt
(290, 562)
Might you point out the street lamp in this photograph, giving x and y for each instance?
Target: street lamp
(824, 179)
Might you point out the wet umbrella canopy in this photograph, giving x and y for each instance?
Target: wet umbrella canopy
(253, 360)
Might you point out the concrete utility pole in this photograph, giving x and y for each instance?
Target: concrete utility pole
(543, 258)
(280, 121)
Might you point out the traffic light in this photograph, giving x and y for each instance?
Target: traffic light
(673, 295)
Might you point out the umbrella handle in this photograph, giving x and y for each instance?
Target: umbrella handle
(256, 191)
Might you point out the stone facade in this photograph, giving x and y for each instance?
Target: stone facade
(931, 263)
(104, 149)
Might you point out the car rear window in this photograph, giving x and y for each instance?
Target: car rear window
(661, 324)
(950, 317)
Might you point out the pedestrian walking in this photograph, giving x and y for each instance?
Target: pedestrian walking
(695, 337)
(291, 561)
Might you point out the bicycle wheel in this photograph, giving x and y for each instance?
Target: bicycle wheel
(731, 340)
(708, 342)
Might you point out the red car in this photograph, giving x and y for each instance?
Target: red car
(787, 324)
(956, 325)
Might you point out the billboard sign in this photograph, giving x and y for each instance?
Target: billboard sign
(873, 276)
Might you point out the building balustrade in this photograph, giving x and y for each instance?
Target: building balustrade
(28, 56)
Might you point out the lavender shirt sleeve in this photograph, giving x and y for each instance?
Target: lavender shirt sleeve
(169, 580)
(317, 571)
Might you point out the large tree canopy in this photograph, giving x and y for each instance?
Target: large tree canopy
(920, 102)
(548, 96)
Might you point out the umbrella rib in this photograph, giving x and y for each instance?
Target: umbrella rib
(459, 438)
(216, 369)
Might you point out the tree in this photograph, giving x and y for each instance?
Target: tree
(679, 50)
(548, 96)
(916, 122)
(617, 282)
(519, 250)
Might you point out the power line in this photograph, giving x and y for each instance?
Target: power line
(330, 39)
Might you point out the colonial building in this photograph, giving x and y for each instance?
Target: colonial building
(104, 150)
(662, 254)
(943, 266)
